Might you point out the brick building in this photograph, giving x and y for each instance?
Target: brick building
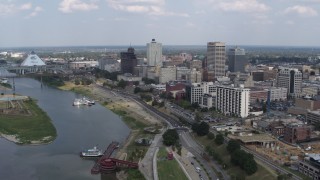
(294, 133)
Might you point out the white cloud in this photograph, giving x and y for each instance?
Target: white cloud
(150, 7)
(246, 6)
(35, 12)
(68, 6)
(26, 6)
(301, 10)
(7, 8)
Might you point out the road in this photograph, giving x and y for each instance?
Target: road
(194, 147)
(187, 140)
(197, 150)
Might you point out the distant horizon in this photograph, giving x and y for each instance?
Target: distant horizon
(164, 45)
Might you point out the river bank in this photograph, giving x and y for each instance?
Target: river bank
(25, 123)
(131, 113)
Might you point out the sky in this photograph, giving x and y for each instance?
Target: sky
(29, 23)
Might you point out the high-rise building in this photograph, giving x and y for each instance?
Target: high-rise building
(237, 60)
(291, 79)
(216, 60)
(128, 61)
(233, 101)
(154, 53)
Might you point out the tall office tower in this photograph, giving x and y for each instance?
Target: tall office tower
(154, 53)
(128, 61)
(216, 60)
(237, 60)
(291, 79)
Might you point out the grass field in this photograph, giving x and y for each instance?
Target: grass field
(235, 171)
(34, 128)
(168, 169)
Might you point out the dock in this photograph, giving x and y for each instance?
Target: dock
(106, 155)
(106, 164)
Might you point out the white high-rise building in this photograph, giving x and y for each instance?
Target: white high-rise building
(233, 101)
(216, 60)
(290, 78)
(154, 53)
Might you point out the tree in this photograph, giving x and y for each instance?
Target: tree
(198, 116)
(245, 161)
(200, 128)
(233, 145)
(195, 127)
(122, 84)
(210, 135)
(137, 90)
(76, 82)
(203, 129)
(170, 137)
(195, 105)
(154, 102)
(219, 139)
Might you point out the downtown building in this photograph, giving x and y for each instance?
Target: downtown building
(291, 79)
(195, 91)
(237, 60)
(229, 100)
(128, 61)
(313, 117)
(310, 166)
(233, 100)
(167, 74)
(154, 53)
(216, 60)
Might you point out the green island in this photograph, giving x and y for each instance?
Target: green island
(23, 122)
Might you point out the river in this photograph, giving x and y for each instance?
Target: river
(78, 128)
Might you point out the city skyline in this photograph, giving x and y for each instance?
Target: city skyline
(180, 22)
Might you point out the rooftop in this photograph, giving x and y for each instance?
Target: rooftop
(253, 138)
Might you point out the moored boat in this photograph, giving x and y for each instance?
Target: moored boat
(94, 152)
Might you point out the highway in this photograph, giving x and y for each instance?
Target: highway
(194, 147)
(186, 139)
(197, 150)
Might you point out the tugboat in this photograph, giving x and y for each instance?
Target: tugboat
(95, 152)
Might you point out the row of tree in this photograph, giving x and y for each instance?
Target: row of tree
(241, 158)
(201, 129)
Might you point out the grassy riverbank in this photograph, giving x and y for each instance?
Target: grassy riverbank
(32, 128)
